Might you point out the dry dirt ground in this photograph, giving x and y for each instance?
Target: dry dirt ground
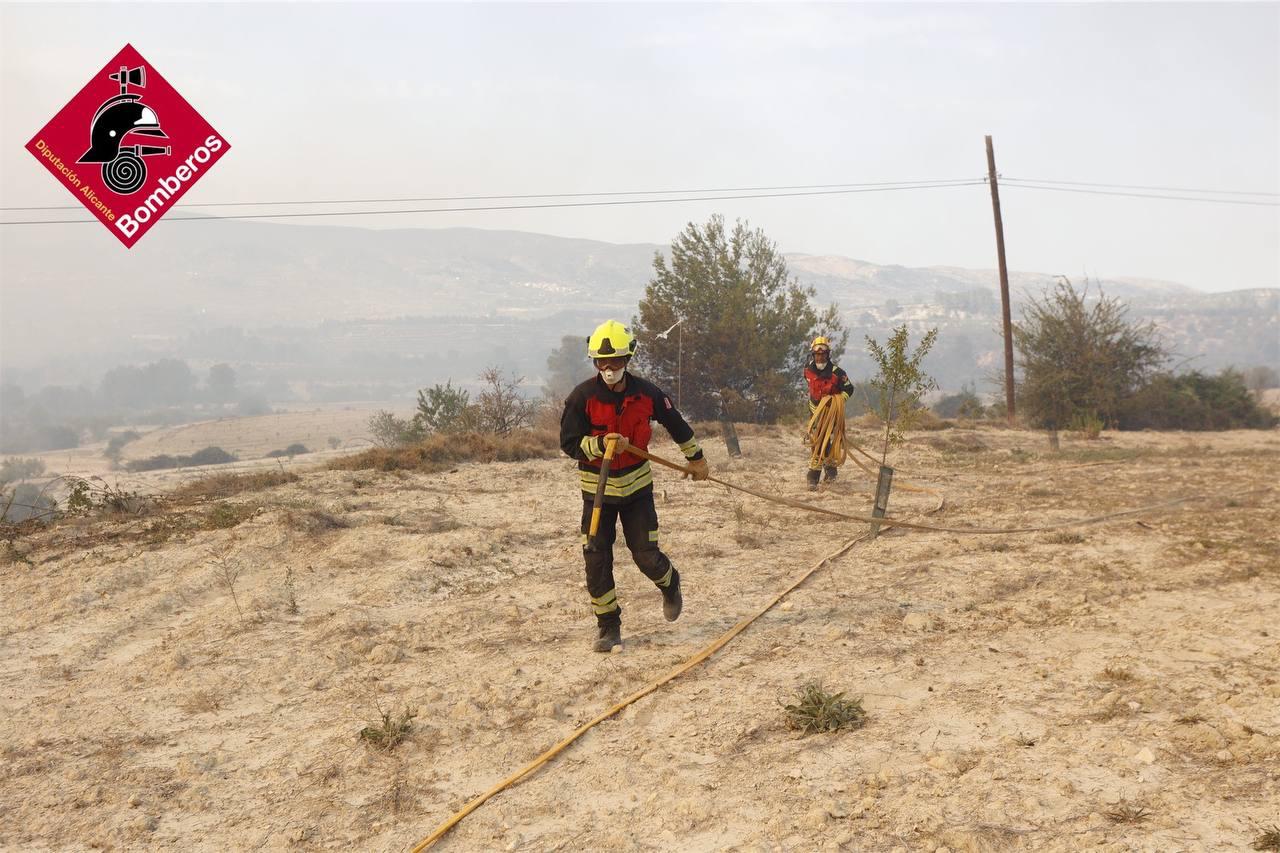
(1114, 687)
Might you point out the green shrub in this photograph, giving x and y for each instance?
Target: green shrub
(1195, 401)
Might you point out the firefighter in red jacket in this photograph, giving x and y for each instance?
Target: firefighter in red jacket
(825, 380)
(615, 403)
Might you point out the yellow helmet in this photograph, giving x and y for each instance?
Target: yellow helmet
(820, 341)
(611, 339)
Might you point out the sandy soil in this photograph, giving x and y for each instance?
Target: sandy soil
(160, 689)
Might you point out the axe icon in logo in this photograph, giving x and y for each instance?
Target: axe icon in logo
(123, 169)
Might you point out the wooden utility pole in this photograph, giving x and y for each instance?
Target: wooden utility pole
(1004, 283)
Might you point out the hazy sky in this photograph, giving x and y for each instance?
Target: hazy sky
(368, 101)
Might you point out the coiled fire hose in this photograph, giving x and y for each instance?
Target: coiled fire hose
(825, 433)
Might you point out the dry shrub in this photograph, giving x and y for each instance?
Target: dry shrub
(1125, 813)
(816, 710)
(959, 443)
(443, 451)
(1269, 839)
(389, 733)
(201, 702)
(314, 521)
(225, 485)
(927, 421)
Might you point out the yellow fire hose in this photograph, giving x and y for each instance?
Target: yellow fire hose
(825, 433)
(719, 643)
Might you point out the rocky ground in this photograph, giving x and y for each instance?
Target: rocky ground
(198, 678)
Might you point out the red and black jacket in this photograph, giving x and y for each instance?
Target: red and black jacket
(593, 409)
(826, 381)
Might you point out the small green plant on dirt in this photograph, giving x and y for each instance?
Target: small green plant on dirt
(227, 515)
(1269, 839)
(389, 733)
(97, 495)
(1126, 813)
(816, 710)
(900, 383)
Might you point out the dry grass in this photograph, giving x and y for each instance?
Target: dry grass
(443, 451)
(1116, 675)
(1064, 538)
(226, 515)
(313, 521)
(226, 485)
(201, 702)
(1126, 813)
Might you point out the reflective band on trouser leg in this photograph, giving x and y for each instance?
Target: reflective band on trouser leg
(665, 580)
(606, 603)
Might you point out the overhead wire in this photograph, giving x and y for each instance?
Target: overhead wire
(1012, 182)
(1141, 187)
(931, 182)
(331, 213)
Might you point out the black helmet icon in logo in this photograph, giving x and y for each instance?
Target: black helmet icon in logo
(122, 166)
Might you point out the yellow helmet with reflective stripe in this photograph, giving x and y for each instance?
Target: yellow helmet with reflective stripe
(820, 341)
(611, 339)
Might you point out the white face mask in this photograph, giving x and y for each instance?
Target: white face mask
(612, 376)
(820, 359)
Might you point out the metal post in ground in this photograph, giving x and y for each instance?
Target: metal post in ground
(882, 497)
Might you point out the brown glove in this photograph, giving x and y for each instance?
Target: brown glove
(698, 468)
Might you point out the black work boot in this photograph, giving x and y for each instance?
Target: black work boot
(831, 472)
(672, 600)
(813, 475)
(610, 638)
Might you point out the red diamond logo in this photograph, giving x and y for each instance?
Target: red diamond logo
(128, 146)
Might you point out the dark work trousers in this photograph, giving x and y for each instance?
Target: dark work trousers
(640, 527)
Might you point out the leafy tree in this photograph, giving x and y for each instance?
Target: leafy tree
(441, 408)
(1195, 401)
(745, 324)
(1260, 378)
(17, 468)
(900, 383)
(500, 407)
(389, 431)
(221, 383)
(1079, 361)
(965, 404)
(567, 365)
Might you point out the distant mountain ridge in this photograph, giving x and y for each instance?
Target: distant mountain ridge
(188, 280)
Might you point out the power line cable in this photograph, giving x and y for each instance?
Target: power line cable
(514, 206)
(956, 181)
(1141, 187)
(1009, 182)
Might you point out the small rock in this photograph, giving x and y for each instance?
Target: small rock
(787, 606)
(386, 653)
(1224, 755)
(837, 809)
(916, 622)
(134, 801)
(1145, 755)
(146, 823)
